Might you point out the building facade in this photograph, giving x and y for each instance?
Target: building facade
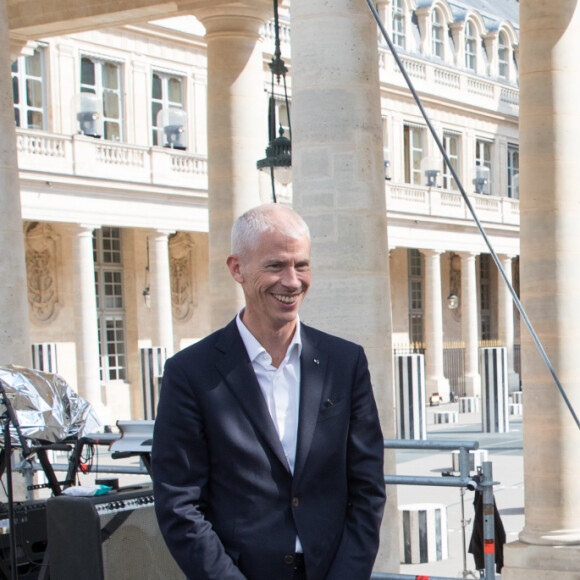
(112, 145)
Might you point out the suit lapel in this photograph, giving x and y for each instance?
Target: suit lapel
(236, 368)
(313, 366)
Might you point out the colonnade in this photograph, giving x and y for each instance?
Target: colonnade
(436, 382)
(337, 159)
(86, 324)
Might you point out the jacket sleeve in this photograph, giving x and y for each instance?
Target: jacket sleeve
(359, 545)
(180, 475)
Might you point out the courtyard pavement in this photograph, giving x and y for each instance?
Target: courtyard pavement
(505, 451)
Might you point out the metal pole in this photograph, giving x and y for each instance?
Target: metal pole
(488, 521)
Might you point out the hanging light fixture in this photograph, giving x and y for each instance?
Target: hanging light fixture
(278, 160)
(147, 289)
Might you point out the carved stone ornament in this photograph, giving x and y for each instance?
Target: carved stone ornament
(42, 244)
(183, 294)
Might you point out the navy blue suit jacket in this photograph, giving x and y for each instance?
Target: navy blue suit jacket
(228, 505)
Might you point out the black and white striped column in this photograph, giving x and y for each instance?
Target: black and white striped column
(494, 390)
(423, 533)
(44, 357)
(410, 388)
(152, 361)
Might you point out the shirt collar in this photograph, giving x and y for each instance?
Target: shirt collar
(254, 347)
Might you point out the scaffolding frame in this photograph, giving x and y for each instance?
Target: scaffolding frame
(483, 481)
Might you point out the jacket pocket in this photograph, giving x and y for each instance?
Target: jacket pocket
(330, 409)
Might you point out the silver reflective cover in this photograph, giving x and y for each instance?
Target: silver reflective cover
(46, 407)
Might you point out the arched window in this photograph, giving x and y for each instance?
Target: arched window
(437, 34)
(502, 56)
(470, 47)
(399, 23)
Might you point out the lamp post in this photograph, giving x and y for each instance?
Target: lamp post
(452, 301)
(278, 160)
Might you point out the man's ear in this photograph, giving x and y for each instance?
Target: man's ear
(233, 263)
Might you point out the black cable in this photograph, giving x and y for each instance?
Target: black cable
(472, 211)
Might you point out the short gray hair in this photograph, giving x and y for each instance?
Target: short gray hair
(270, 217)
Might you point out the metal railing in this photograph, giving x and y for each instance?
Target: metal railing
(482, 480)
(464, 480)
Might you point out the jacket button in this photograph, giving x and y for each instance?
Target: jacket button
(288, 559)
(295, 502)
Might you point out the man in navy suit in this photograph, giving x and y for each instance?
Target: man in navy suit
(268, 452)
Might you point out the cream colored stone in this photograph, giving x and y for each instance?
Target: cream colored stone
(236, 129)
(434, 377)
(550, 128)
(14, 334)
(469, 324)
(338, 186)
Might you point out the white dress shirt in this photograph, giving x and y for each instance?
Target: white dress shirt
(280, 387)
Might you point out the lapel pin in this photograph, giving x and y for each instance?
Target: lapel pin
(328, 403)
(316, 361)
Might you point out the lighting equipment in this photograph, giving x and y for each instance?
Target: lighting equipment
(174, 123)
(481, 180)
(452, 301)
(89, 115)
(387, 164)
(431, 170)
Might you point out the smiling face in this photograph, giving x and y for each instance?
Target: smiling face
(275, 276)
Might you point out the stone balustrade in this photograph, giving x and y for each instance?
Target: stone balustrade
(81, 156)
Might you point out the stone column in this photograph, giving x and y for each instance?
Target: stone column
(549, 545)
(14, 339)
(237, 137)
(435, 381)
(339, 188)
(161, 290)
(469, 328)
(86, 325)
(506, 321)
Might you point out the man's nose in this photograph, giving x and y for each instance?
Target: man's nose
(290, 279)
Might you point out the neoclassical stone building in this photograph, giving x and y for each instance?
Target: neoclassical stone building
(116, 244)
(104, 196)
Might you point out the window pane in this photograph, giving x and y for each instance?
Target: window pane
(87, 72)
(155, 108)
(502, 54)
(156, 87)
(415, 289)
(34, 93)
(110, 76)
(111, 105)
(34, 64)
(15, 90)
(451, 144)
(175, 93)
(35, 120)
(470, 47)
(398, 23)
(437, 34)
(112, 131)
